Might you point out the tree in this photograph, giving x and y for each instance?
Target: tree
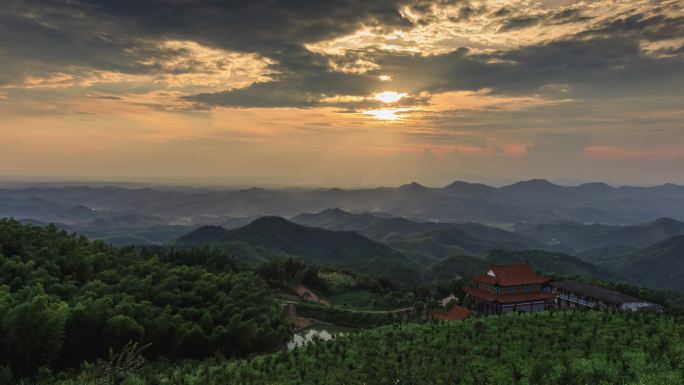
(420, 308)
(121, 329)
(33, 330)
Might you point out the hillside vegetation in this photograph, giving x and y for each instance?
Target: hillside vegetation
(540, 348)
(270, 237)
(425, 255)
(592, 240)
(659, 266)
(544, 261)
(65, 300)
(420, 236)
(194, 313)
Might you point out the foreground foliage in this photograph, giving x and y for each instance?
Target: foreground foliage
(540, 348)
(65, 300)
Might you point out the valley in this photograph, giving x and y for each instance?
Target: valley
(243, 286)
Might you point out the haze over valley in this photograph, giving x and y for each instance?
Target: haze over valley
(590, 229)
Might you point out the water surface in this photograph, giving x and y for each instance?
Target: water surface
(324, 332)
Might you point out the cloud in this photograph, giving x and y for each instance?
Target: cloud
(43, 37)
(256, 54)
(550, 18)
(105, 97)
(602, 61)
(525, 87)
(613, 153)
(643, 26)
(598, 66)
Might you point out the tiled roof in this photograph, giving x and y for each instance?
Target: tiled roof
(511, 275)
(508, 298)
(600, 293)
(456, 313)
(488, 279)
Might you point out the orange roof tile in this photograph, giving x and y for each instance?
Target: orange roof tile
(511, 275)
(488, 279)
(508, 298)
(456, 313)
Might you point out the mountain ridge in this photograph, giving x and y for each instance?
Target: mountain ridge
(532, 201)
(274, 236)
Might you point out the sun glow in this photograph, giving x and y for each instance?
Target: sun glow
(389, 96)
(389, 114)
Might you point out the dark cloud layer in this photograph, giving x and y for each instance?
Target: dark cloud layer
(267, 27)
(47, 36)
(595, 65)
(568, 15)
(118, 35)
(608, 60)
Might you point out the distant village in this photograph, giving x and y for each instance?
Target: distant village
(517, 287)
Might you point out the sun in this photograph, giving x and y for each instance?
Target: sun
(384, 114)
(389, 96)
(388, 114)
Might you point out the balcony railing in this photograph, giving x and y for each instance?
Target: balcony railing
(572, 298)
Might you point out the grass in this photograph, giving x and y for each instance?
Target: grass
(338, 282)
(357, 298)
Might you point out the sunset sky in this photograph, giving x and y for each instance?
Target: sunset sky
(341, 92)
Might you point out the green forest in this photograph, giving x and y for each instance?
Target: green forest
(65, 300)
(540, 348)
(80, 312)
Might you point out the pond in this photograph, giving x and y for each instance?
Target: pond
(322, 331)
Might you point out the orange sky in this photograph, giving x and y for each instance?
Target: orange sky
(476, 90)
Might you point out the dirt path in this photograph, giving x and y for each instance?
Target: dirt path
(390, 311)
(298, 322)
(307, 294)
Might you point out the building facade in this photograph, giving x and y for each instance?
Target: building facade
(510, 288)
(578, 295)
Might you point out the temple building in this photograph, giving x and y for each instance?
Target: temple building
(509, 288)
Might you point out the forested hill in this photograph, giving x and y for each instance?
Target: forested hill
(438, 254)
(592, 240)
(471, 237)
(658, 266)
(65, 300)
(544, 261)
(556, 348)
(274, 236)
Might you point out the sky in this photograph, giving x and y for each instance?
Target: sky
(341, 92)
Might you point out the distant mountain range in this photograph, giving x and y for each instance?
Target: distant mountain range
(628, 232)
(534, 201)
(44, 210)
(136, 229)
